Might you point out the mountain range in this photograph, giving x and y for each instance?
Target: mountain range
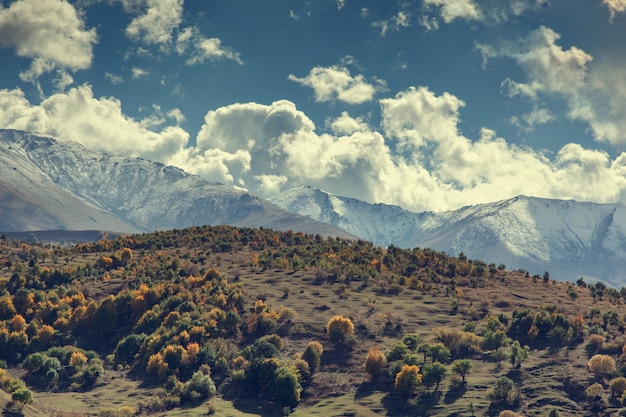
(46, 184)
(568, 239)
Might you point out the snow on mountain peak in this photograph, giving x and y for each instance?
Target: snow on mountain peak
(569, 237)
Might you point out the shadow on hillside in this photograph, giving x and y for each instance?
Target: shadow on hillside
(251, 406)
(367, 388)
(12, 412)
(421, 407)
(454, 393)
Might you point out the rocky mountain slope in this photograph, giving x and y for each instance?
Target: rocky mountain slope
(567, 238)
(48, 184)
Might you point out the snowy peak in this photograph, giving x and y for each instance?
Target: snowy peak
(379, 223)
(569, 238)
(48, 184)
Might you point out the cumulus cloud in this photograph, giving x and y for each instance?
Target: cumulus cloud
(51, 33)
(336, 83)
(419, 159)
(156, 21)
(97, 123)
(595, 94)
(203, 49)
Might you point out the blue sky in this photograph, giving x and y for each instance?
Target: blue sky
(428, 104)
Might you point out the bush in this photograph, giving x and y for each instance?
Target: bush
(594, 391)
(504, 392)
(407, 381)
(199, 387)
(340, 330)
(617, 386)
(601, 365)
(375, 362)
(313, 355)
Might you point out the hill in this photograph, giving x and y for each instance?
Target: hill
(224, 320)
(567, 238)
(46, 184)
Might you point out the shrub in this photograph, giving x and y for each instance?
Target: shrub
(199, 387)
(617, 386)
(601, 365)
(340, 330)
(375, 362)
(313, 355)
(595, 342)
(504, 392)
(407, 381)
(594, 391)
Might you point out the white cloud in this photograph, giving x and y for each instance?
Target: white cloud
(51, 32)
(420, 160)
(615, 6)
(346, 125)
(593, 90)
(97, 123)
(113, 78)
(486, 11)
(203, 49)
(341, 4)
(456, 9)
(157, 22)
(417, 115)
(397, 22)
(138, 73)
(336, 83)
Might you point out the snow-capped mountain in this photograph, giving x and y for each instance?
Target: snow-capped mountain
(48, 184)
(567, 238)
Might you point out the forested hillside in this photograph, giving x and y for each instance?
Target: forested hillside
(257, 322)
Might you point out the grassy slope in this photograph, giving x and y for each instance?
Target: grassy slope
(341, 388)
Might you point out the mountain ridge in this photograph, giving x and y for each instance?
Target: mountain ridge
(567, 237)
(94, 191)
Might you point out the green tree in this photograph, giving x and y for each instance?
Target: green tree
(433, 373)
(518, 354)
(461, 367)
(286, 386)
(22, 396)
